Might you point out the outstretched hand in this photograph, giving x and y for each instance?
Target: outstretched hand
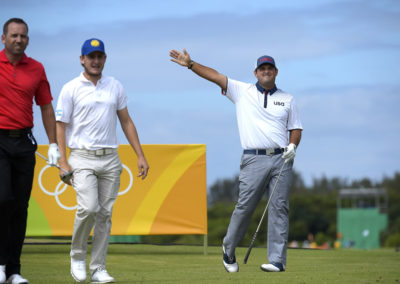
(180, 58)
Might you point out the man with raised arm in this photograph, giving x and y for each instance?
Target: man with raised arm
(270, 131)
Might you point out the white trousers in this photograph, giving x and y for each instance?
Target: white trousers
(96, 180)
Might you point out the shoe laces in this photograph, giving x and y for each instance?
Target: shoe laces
(229, 259)
(81, 264)
(101, 269)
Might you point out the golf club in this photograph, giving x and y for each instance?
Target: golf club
(65, 177)
(262, 217)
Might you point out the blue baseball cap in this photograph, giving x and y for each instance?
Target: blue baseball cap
(92, 45)
(265, 59)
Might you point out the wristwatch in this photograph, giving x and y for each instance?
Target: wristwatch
(190, 64)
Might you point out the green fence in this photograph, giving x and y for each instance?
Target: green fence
(361, 227)
(125, 239)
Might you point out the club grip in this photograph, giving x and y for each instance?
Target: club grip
(66, 177)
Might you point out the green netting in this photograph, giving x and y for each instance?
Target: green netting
(125, 239)
(361, 227)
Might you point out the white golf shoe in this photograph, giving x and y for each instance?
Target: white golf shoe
(230, 263)
(2, 274)
(272, 267)
(100, 275)
(16, 279)
(78, 270)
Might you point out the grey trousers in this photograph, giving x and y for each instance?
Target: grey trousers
(96, 180)
(258, 173)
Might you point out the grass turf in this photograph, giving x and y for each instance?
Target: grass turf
(139, 263)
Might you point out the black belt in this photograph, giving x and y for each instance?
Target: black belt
(15, 132)
(268, 151)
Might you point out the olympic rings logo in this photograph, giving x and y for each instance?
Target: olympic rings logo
(62, 187)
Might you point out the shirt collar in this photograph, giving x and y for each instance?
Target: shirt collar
(262, 90)
(84, 79)
(4, 58)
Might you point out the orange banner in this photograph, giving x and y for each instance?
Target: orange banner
(171, 200)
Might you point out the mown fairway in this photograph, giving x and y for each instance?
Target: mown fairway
(139, 263)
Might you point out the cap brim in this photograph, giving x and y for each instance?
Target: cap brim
(96, 50)
(266, 63)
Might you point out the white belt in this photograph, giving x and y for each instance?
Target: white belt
(98, 152)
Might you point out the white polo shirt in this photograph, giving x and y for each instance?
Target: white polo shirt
(261, 127)
(91, 112)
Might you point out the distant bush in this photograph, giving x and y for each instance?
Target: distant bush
(393, 240)
(320, 238)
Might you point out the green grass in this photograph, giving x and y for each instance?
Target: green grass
(140, 263)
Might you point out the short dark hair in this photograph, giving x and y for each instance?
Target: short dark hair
(13, 20)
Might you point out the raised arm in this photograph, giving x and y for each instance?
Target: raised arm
(205, 72)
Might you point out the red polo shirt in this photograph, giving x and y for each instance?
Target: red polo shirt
(19, 84)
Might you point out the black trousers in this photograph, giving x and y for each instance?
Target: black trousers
(17, 164)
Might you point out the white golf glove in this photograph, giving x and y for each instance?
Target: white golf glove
(289, 153)
(53, 154)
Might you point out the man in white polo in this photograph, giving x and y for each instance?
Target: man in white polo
(86, 114)
(270, 131)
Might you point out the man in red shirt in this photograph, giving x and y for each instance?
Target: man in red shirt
(22, 80)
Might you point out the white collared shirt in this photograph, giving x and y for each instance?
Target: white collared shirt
(91, 112)
(261, 127)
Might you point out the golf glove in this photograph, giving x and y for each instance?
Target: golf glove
(53, 154)
(289, 153)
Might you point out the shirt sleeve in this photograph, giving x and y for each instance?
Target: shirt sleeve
(122, 98)
(294, 117)
(234, 90)
(64, 106)
(43, 93)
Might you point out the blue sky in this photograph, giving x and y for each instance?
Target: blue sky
(339, 59)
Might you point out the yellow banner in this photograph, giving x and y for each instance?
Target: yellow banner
(171, 200)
